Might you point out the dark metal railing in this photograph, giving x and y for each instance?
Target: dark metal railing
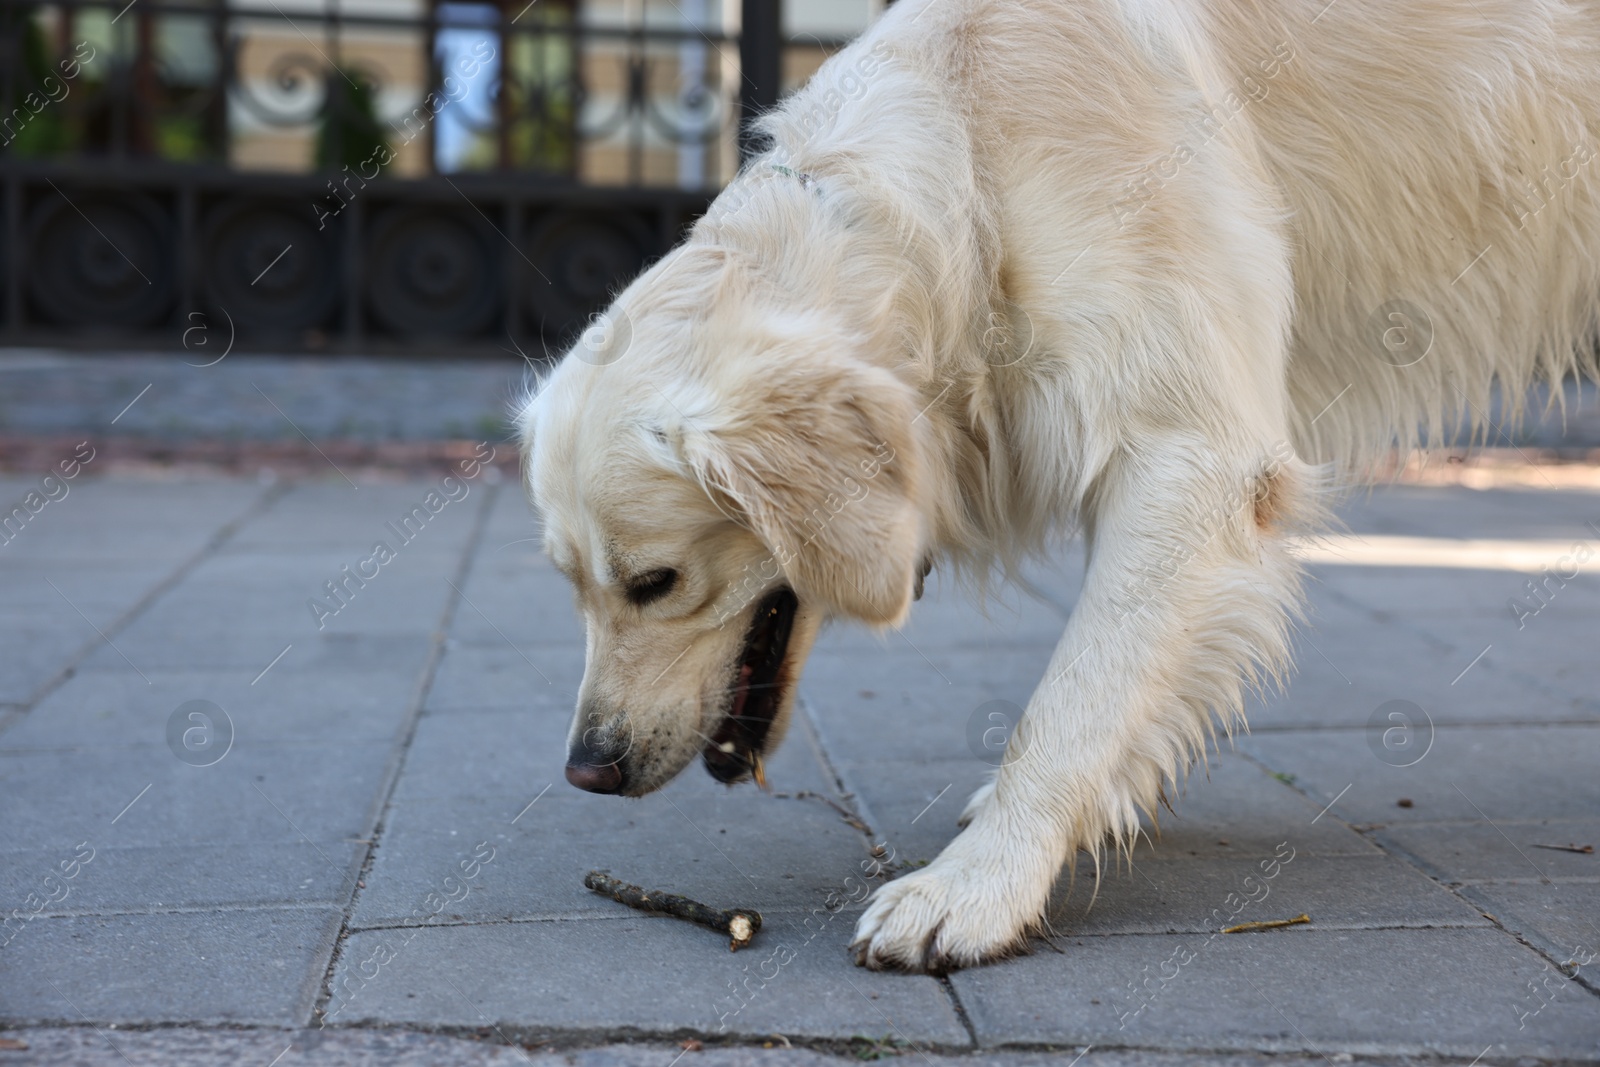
(471, 174)
(530, 89)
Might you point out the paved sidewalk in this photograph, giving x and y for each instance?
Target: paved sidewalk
(361, 832)
(195, 392)
(181, 394)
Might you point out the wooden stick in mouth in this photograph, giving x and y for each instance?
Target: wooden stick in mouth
(740, 924)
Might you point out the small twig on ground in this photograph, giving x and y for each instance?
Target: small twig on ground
(1582, 850)
(1273, 924)
(740, 924)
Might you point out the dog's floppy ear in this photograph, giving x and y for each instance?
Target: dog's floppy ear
(817, 456)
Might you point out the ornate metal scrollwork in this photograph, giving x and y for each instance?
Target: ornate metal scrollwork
(432, 271)
(300, 84)
(699, 116)
(231, 127)
(696, 116)
(100, 259)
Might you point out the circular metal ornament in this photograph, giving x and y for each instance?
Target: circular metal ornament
(269, 265)
(584, 258)
(432, 271)
(100, 259)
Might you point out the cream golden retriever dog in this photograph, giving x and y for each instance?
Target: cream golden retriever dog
(1155, 270)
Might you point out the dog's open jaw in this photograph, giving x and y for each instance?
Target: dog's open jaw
(760, 679)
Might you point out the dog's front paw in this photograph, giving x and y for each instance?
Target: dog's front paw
(945, 916)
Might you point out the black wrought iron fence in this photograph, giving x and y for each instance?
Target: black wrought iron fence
(353, 174)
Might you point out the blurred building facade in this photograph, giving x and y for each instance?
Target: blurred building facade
(365, 175)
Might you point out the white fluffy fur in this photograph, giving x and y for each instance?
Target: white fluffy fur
(1199, 295)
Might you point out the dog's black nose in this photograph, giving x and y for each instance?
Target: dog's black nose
(595, 777)
(595, 765)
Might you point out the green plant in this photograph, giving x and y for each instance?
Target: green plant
(43, 133)
(876, 1048)
(349, 133)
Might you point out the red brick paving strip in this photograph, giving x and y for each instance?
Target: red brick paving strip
(404, 460)
(360, 461)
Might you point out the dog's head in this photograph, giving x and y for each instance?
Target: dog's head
(717, 474)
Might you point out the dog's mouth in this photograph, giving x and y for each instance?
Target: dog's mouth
(759, 680)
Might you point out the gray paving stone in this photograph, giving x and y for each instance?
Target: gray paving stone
(1166, 894)
(514, 594)
(513, 517)
(201, 641)
(505, 676)
(95, 583)
(948, 617)
(361, 652)
(33, 657)
(741, 848)
(1436, 595)
(913, 804)
(246, 967)
(509, 754)
(894, 705)
(1552, 652)
(103, 589)
(279, 563)
(96, 709)
(1179, 878)
(1471, 772)
(55, 799)
(1560, 918)
(250, 651)
(173, 875)
(656, 975)
(1236, 802)
(273, 566)
(1230, 798)
(471, 773)
(1317, 696)
(42, 627)
(1474, 852)
(1348, 664)
(1514, 513)
(323, 517)
(196, 625)
(114, 518)
(350, 397)
(1361, 992)
(297, 574)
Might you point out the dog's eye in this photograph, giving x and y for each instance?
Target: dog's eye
(652, 586)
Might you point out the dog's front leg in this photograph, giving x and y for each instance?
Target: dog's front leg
(1183, 603)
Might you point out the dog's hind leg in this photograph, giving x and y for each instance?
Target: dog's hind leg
(1185, 604)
